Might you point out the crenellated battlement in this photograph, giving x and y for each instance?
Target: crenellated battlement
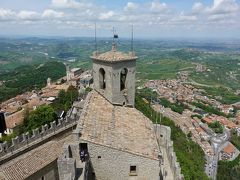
(164, 138)
(36, 137)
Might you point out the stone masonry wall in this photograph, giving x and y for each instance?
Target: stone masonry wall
(113, 164)
(129, 92)
(49, 172)
(164, 138)
(108, 80)
(112, 78)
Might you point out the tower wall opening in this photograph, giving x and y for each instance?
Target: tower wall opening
(123, 77)
(102, 80)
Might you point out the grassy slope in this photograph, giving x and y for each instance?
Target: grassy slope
(161, 69)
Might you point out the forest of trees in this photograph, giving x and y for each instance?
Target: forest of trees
(229, 170)
(29, 77)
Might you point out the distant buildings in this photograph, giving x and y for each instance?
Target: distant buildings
(223, 120)
(73, 73)
(86, 79)
(237, 105)
(228, 152)
(14, 108)
(79, 78)
(226, 109)
(200, 67)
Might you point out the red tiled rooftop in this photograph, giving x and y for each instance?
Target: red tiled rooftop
(229, 148)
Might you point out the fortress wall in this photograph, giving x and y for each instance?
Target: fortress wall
(164, 139)
(28, 141)
(67, 164)
(104, 160)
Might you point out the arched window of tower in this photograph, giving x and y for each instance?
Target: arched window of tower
(123, 77)
(102, 81)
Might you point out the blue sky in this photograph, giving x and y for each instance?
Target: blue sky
(151, 18)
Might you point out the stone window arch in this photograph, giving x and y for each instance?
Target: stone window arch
(102, 80)
(123, 78)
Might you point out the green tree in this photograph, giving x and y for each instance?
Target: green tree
(229, 170)
(42, 115)
(62, 96)
(65, 99)
(72, 93)
(216, 126)
(235, 139)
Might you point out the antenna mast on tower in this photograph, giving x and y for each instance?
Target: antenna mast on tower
(132, 42)
(115, 36)
(96, 48)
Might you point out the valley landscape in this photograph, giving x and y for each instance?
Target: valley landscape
(158, 59)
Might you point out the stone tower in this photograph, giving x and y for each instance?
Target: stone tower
(114, 76)
(48, 81)
(68, 73)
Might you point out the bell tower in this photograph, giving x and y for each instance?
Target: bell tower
(114, 75)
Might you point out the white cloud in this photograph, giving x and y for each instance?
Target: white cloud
(220, 12)
(65, 14)
(198, 7)
(158, 7)
(49, 13)
(106, 16)
(218, 7)
(28, 15)
(182, 18)
(63, 3)
(7, 14)
(187, 18)
(71, 4)
(223, 7)
(131, 6)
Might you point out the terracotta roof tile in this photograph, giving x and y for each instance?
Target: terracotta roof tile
(119, 127)
(29, 163)
(229, 148)
(114, 56)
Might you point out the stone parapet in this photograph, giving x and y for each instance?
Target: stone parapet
(164, 138)
(36, 136)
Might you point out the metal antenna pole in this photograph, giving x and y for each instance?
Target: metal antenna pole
(96, 38)
(151, 106)
(113, 35)
(155, 112)
(132, 41)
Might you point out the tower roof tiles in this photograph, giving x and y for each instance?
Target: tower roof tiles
(114, 56)
(119, 127)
